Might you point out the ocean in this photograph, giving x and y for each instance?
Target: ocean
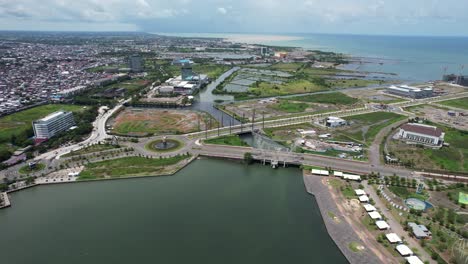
(412, 58)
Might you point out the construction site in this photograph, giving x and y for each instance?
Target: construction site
(454, 118)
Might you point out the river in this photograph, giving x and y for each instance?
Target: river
(212, 211)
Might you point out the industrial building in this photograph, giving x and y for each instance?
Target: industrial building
(135, 63)
(52, 125)
(421, 134)
(411, 92)
(457, 79)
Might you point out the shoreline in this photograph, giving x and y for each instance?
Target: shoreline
(339, 230)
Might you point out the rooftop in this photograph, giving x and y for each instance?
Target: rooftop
(52, 116)
(422, 129)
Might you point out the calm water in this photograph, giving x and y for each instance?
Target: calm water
(211, 212)
(412, 58)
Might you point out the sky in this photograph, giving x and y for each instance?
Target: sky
(382, 17)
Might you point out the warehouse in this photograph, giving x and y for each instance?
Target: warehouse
(411, 92)
(421, 134)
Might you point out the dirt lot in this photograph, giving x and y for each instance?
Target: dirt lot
(273, 109)
(440, 115)
(373, 95)
(145, 122)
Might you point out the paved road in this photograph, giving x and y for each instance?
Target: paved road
(299, 158)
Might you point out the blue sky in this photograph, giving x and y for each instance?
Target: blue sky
(400, 17)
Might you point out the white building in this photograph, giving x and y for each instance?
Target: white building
(382, 225)
(421, 134)
(332, 121)
(411, 92)
(393, 238)
(53, 124)
(404, 250)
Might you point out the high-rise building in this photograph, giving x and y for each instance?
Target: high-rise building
(264, 51)
(135, 63)
(187, 72)
(53, 124)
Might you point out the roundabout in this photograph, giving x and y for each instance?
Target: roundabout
(164, 145)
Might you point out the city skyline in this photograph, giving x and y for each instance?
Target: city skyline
(433, 18)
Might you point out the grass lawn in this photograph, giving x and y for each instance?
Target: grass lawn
(288, 67)
(91, 149)
(131, 86)
(355, 247)
(127, 167)
(25, 169)
(22, 121)
(352, 83)
(457, 103)
(232, 140)
(290, 107)
(348, 192)
(406, 193)
(365, 127)
(335, 98)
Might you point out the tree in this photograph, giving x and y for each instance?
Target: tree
(248, 158)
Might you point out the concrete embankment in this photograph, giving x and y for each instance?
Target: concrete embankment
(6, 201)
(339, 230)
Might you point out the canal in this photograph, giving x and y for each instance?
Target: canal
(213, 211)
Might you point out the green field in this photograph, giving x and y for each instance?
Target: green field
(290, 107)
(212, 70)
(288, 67)
(91, 149)
(461, 103)
(22, 121)
(335, 98)
(232, 140)
(365, 127)
(128, 167)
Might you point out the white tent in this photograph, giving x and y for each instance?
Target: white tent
(375, 215)
(393, 238)
(364, 199)
(351, 177)
(404, 250)
(359, 192)
(338, 173)
(320, 172)
(414, 260)
(369, 208)
(382, 225)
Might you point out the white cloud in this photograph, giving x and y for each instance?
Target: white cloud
(246, 15)
(222, 10)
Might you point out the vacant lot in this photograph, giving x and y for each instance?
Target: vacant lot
(22, 121)
(212, 70)
(439, 114)
(452, 158)
(145, 122)
(232, 140)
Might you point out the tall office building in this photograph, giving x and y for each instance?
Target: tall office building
(53, 124)
(187, 72)
(135, 63)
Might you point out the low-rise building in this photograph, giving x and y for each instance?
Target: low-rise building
(411, 92)
(52, 124)
(419, 231)
(421, 134)
(332, 121)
